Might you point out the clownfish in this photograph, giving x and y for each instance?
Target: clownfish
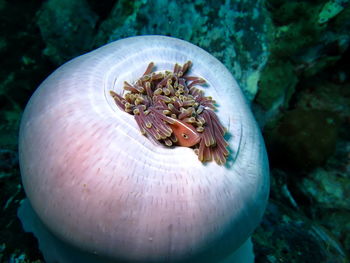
(185, 133)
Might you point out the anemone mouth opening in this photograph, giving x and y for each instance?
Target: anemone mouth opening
(170, 110)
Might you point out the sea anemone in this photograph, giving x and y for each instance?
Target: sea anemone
(171, 110)
(100, 191)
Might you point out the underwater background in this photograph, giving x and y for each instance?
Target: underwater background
(291, 59)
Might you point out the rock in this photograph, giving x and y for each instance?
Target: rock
(328, 189)
(276, 85)
(339, 223)
(67, 28)
(325, 194)
(233, 31)
(287, 236)
(321, 94)
(307, 37)
(303, 139)
(8, 160)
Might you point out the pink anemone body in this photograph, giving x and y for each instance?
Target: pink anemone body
(101, 187)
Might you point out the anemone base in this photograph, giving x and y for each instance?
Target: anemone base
(55, 250)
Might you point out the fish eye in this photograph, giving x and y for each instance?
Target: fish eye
(184, 135)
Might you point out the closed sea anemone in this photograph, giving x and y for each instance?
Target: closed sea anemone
(126, 157)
